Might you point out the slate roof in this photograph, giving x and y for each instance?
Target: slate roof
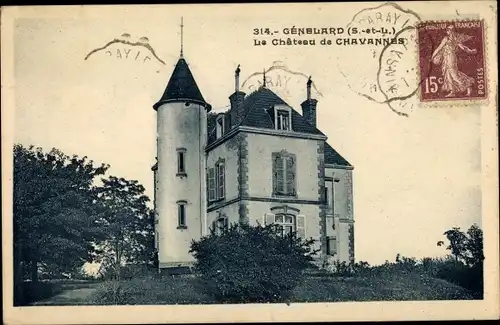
(333, 157)
(259, 113)
(257, 106)
(181, 86)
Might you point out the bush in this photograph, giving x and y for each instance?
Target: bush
(251, 263)
(150, 291)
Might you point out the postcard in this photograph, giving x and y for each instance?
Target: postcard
(250, 162)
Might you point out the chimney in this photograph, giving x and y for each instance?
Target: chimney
(236, 100)
(309, 106)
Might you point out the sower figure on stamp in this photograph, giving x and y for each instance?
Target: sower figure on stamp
(446, 54)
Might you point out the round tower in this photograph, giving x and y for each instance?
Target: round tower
(180, 195)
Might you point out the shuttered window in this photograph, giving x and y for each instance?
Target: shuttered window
(216, 178)
(284, 170)
(288, 223)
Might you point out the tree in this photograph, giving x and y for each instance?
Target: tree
(465, 247)
(128, 223)
(54, 215)
(246, 263)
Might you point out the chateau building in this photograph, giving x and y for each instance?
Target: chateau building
(260, 162)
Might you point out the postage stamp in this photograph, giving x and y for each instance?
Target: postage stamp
(452, 60)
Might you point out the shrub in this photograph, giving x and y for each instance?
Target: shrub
(251, 263)
(150, 291)
(113, 293)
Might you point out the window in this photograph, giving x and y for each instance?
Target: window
(284, 174)
(330, 193)
(217, 181)
(288, 222)
(222, 225)
(283, 119)
(181, 162)
(331, 246)
(181, 215)
(220, 126)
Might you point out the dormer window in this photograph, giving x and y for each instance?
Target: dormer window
(283, 119)
(220, 125)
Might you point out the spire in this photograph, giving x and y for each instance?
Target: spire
(264, 79)
(181, 87)
(182, 37)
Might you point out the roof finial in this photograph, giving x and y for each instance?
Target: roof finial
(182, 37)
(264, 79)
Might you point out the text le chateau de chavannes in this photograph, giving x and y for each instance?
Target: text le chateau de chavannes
(311, 36)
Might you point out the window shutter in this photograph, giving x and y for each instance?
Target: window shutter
(211, 184)
(280, 181)
(268, 219)
(221, 181)
(301, 226)
(274, 162)
(290, 175)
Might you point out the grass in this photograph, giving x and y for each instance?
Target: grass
(189, 290)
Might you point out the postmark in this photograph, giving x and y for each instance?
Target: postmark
(125, 48)
(452, 55)
(284, 81)
(387, 45)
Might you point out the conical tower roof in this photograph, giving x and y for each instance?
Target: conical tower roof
(181, 86)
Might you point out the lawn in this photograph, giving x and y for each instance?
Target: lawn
(190, 290)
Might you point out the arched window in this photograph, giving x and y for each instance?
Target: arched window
(286, 218)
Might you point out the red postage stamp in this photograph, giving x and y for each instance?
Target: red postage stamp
(452, 60)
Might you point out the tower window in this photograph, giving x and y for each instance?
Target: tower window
(181, 162)
(283, 119)
(220, 126)
(181, 215)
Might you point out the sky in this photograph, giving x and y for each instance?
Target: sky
(414, 177)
